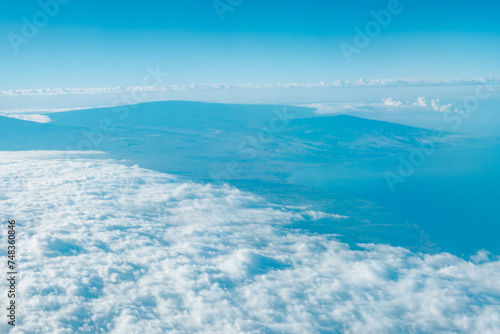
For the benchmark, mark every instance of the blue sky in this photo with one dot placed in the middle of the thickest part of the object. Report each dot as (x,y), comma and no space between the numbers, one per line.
(101,44)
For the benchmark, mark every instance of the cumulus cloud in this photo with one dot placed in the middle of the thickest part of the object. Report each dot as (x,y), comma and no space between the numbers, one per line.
(437,106)
(422,103)
(419,104)
(110,248)
(225,86)
(391,102)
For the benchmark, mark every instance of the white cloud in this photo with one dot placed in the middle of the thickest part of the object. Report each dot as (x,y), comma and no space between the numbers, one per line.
(315,215)
(481,256)
(10,112)
(109,248)
(32,117)
(391,102)
(224,86)
(437,106)
(420,102)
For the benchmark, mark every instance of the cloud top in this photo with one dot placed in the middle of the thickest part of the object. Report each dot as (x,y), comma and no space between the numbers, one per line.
(115,249)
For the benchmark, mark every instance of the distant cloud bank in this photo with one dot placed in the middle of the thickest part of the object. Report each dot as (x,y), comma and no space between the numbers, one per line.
(422,103)
(390,103)
(250,86)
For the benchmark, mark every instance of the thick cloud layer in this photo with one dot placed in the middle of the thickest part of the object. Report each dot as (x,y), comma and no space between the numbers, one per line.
(109,248)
